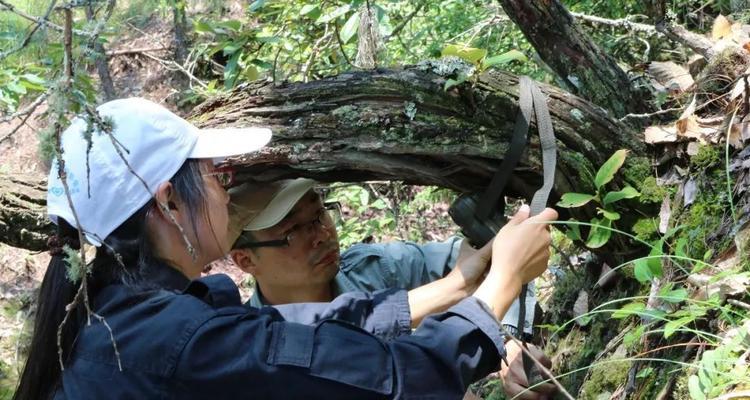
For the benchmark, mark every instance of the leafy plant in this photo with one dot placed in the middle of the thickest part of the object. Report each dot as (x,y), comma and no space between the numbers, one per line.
(600,231)
(478,58)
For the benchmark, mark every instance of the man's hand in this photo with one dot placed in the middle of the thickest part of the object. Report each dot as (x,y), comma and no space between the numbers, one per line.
(514,377)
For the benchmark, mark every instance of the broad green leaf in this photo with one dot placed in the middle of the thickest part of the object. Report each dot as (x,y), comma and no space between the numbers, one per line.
(203,27)
(570,200)
(508,56)
(626,193)
(232,48)
(608,214)
(333,14)
(261,64)
(608,170)
(310,9)
(231,24)
(470,54)
(35,79)
(655,260)
(694,387)
(230,70)
(599,233)
(257,5)
(574,231)
(250,73)
(644,373)
(449,83)
(633,336)
(674,296)
(15,87)
(31,86)
(350,28)
(641,271)
(635,308)
(672,326)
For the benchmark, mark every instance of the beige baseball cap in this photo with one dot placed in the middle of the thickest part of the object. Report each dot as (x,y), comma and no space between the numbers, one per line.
(256,206)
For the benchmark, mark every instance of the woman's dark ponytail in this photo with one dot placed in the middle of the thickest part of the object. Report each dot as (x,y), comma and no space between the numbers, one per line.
(55,293)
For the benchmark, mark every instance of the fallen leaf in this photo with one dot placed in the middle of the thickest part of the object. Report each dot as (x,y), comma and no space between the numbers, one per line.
(728,286)
(735,136)
(660,134)
(581,307)
(741,85)
(673,76)
(691,190)
(606,276)
(721,28)
(685,118)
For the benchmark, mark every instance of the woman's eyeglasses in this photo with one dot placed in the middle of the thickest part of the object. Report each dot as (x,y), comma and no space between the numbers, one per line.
(225,176)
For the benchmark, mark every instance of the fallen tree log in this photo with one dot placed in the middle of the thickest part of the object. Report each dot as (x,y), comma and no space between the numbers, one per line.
(384,125)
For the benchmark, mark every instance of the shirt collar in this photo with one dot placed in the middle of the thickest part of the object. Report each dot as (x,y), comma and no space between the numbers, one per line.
(166,277)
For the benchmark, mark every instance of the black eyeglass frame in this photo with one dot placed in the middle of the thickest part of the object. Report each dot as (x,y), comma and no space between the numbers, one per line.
(327,207)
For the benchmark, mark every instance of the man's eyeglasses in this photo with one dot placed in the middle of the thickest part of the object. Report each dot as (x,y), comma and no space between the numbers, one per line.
(327,217)
(225,176)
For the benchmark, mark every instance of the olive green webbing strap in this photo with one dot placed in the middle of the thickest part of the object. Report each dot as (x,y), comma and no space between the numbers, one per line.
(539,201)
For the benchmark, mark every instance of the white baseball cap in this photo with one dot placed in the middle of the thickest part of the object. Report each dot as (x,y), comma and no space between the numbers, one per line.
(154,141)
(256,206)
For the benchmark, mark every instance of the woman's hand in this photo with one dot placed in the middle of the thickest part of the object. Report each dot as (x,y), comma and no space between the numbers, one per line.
(521,248)
(520,252)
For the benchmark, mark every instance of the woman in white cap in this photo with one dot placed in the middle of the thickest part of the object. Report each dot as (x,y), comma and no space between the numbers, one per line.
(149,197)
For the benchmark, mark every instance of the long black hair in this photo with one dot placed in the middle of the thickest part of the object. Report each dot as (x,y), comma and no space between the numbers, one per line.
(124,257)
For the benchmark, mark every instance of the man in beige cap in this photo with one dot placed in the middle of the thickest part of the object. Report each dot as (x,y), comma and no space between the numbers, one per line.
(285,236)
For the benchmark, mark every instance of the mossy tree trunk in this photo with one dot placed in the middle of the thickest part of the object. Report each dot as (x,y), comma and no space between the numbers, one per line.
(583,67)
(23,219)
(402,125)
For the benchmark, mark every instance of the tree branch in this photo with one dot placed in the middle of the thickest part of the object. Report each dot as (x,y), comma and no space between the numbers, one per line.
(40,21)
(403,23)
(25,113)
(623,23)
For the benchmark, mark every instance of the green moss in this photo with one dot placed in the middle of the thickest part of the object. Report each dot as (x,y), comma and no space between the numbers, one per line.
(646,228)
(636,169)
(583,167)
(651,192)
(605,377)
(707,157)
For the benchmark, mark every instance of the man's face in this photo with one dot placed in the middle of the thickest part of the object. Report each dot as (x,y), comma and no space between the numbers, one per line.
(312,256)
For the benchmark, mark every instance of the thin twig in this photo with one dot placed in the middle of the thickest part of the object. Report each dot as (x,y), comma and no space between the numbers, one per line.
(81,295)
(403,23)
(113,53)
(341,45)
(739,304)
(538,364)
(24,115)
(649,115)
(176,66)
(40,21)
(314,53)
(25,42)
